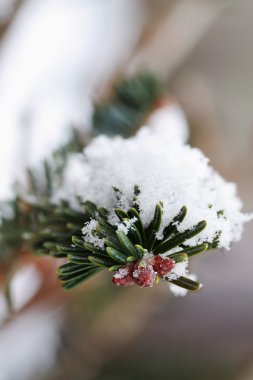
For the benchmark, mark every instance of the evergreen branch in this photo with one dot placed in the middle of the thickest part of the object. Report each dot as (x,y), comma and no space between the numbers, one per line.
(130,104)
(121,249)
(136,253)
(25,223)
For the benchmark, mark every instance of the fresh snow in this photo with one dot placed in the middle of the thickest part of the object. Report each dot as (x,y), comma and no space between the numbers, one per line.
(166,169)
(88,234)
(126,225)
(179,270)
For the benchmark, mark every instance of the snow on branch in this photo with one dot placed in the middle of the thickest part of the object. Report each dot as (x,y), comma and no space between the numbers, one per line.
(166,170)
(153,203)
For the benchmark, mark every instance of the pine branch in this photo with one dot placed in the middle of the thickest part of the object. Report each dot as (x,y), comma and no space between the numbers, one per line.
(135,253)
(21,217)
(136,95)
(58,233)
(132,100)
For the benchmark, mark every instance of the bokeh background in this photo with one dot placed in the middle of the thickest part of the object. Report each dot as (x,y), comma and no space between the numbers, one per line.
(56,57)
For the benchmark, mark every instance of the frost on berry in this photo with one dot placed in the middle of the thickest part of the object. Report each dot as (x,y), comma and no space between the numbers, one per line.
(144,274)
(163,265)
(123,276)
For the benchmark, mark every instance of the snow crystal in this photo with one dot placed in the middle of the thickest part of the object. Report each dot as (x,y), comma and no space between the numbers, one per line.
(126,225)
(166,170)
(88,233)
(180,269)
(121,273)
(159,235)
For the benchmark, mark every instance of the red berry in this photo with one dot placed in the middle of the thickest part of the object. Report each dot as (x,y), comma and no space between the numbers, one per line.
(163,265)
(143,276)
(123,276)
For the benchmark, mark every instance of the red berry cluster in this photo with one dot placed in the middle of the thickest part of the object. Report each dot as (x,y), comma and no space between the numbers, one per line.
(143,272)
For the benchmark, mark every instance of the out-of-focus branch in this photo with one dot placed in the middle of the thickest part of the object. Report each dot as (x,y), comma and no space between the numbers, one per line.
(6,18)
(175,35)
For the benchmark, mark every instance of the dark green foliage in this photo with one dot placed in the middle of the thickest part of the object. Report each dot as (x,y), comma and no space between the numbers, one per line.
(121,248)
(186,283)
(179,238)
(130,104)
(153,228)
(56,230)
(27,224)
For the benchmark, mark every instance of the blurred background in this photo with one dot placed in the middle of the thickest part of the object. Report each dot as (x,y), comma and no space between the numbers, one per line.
(56,58)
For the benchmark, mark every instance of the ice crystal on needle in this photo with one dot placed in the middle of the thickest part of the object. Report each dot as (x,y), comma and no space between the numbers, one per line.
(88,233)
